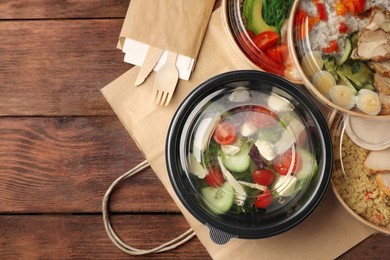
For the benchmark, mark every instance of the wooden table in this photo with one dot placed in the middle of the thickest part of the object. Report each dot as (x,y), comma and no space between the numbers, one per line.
(62,145)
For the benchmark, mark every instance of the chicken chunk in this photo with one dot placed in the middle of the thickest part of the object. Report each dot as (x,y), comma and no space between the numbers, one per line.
(373,45)
(374,40)
(382,84)
(383,68)
(378,161)
(379,20)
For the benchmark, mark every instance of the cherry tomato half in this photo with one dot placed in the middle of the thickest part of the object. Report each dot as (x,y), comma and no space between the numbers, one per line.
(214,177)
(278,53)
(261,117)
(265,40)
(263,177)
(257,56)
(263,200)
(282,163)
(260,120)
(263,110)
(267,64)
(225,133)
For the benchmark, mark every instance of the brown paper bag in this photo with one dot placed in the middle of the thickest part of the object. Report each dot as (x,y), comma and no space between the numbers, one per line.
(326,234)
(174,25)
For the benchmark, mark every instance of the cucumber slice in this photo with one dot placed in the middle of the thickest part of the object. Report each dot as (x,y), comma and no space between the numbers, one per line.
(347,82)
(347,52)
(309,165)
(238,162)
(218,200)
(354,39)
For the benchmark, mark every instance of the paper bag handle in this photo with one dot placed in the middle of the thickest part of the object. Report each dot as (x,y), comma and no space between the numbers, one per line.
(183,238)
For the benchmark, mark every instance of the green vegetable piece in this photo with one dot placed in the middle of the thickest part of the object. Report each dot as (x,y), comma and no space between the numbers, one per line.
(347,82)
(330,65)
(355,68)
(368,86)
(354,39)
(309,165)
(275,12)
(218,200)
(256,22)
(240,161)
(361,74)
(247,8)
(347,52)
(355,73)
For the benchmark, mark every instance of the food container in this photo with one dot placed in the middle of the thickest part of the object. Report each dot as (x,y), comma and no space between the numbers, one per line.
(359,145)
(263,47)
(249,155)
(338,52)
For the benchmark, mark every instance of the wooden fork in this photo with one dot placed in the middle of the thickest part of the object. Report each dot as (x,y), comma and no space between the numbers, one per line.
(165,81)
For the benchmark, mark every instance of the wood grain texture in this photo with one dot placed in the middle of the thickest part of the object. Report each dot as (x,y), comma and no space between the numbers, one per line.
(376,246)
(57,67)
(49,9)
(84,237)
(66,164)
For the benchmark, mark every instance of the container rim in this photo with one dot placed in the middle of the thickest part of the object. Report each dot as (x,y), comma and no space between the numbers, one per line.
(308,83)
(173,164)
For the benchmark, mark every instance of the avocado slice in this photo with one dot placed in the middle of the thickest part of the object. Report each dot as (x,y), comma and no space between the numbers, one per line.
(247,8)
(256,22)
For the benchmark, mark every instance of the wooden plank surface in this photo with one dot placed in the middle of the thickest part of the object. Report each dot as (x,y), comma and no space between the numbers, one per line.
(57,67)
(49,9)
(84,237)
(66,164)
(61,145)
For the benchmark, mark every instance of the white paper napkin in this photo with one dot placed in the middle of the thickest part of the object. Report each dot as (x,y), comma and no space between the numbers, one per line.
(135,53)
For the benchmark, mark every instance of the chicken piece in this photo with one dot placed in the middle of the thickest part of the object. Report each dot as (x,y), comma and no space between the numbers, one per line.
(373,45)
(385,110)
(378,161)
(383,68)
(383,181)
(379,20)
(382,84)
(385,100)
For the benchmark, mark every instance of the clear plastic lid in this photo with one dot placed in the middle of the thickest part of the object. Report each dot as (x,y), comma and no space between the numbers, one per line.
(250,153)
(341,50)
(361,175)
(260,34)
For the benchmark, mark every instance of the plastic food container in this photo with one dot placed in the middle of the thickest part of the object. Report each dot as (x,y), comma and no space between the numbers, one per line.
(263,47)
(249,155)
(338,54)
(361,144)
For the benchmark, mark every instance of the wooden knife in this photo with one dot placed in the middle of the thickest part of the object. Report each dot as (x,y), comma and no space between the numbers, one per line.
(151,59)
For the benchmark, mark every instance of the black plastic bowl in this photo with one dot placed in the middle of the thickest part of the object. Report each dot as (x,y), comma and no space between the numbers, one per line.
(180,142)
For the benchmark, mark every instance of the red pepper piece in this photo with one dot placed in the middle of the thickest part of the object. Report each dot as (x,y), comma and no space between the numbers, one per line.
(333,47)
(343,27)
(322,12)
